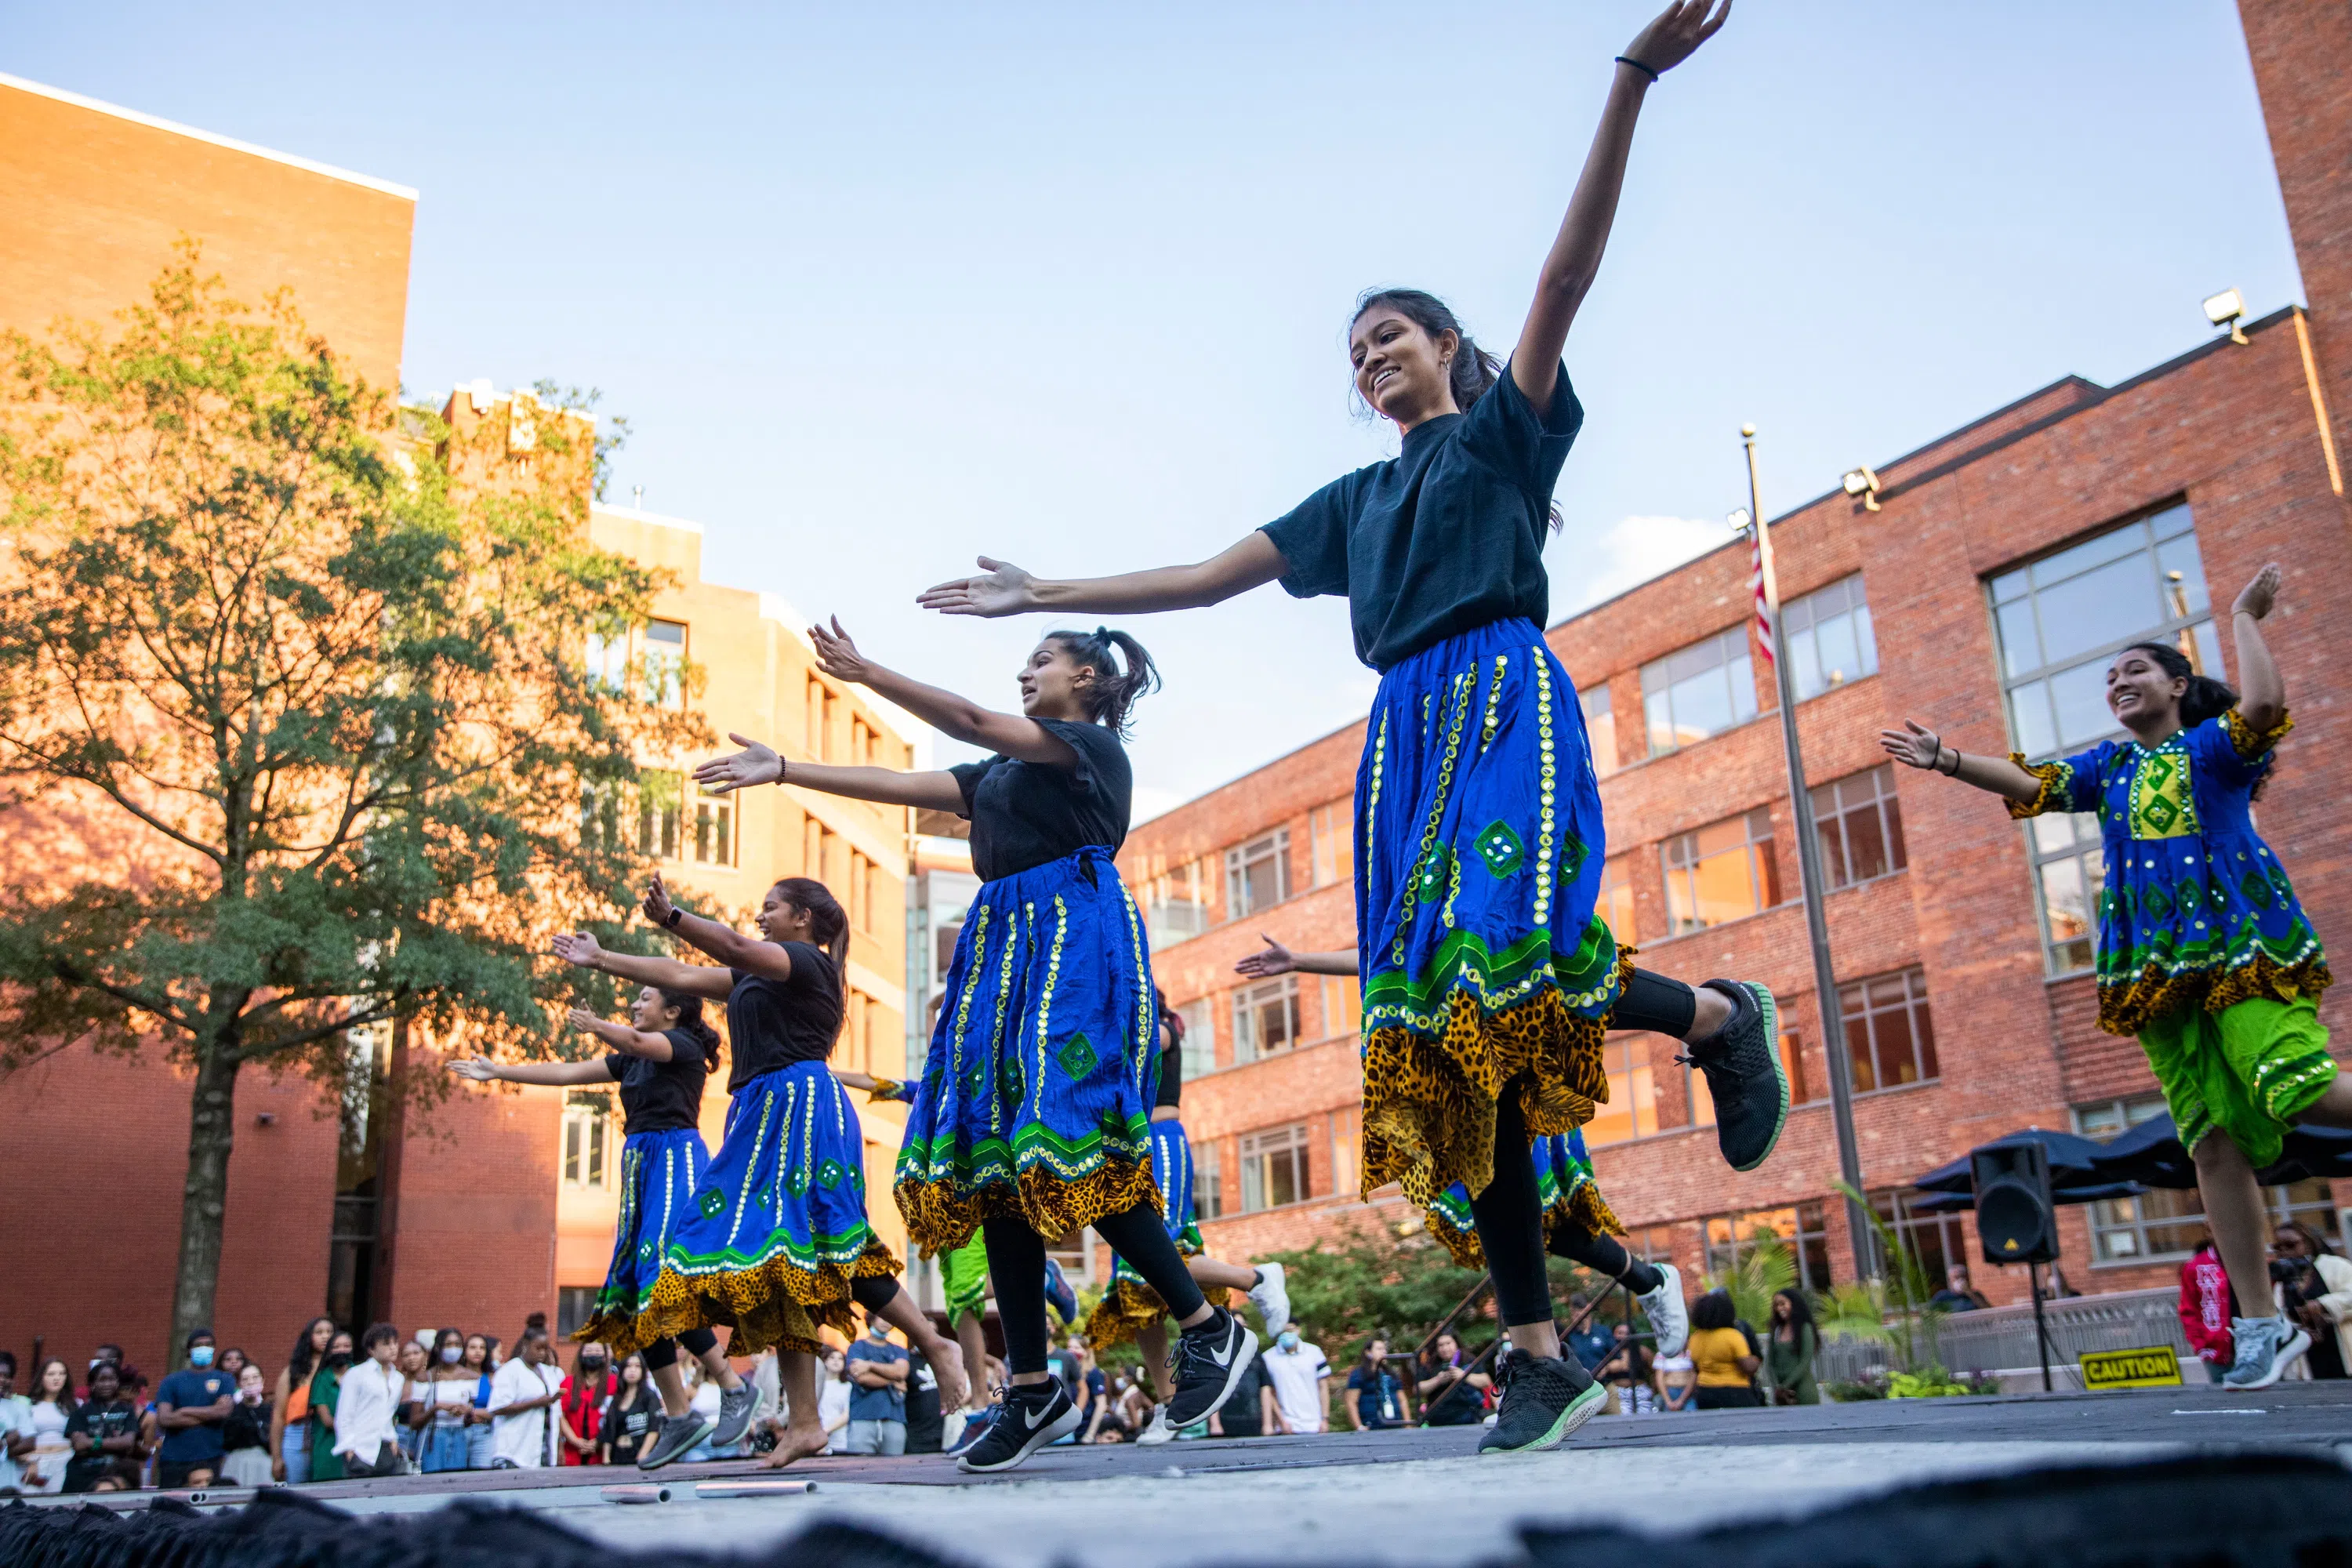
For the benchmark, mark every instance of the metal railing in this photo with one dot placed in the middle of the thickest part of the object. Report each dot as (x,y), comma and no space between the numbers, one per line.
(2001,1339)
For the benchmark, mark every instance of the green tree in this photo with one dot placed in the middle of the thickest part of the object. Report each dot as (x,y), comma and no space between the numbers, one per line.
(301,721)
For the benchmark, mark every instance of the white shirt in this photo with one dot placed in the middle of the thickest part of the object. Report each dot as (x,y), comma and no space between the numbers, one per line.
(1295,1375)
(527,1439)
(16,1420)
(833,1405)
(365,1407)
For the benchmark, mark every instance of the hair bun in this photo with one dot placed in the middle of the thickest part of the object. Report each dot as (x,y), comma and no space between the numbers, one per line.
(536,1321)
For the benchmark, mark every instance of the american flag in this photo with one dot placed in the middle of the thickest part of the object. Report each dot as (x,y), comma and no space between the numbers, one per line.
(1762,624)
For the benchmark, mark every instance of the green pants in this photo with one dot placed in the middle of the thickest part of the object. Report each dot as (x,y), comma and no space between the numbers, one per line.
(963,1276)
(2249,1070)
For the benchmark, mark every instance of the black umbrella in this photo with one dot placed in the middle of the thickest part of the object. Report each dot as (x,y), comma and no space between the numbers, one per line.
(2151,1155)
(2071,1162)
(2064,1192)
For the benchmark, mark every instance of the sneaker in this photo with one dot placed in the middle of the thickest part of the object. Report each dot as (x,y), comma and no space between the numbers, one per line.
(1744,1074)
(1028,1417)
(673,1440)
(1058,1292)
(1544,1399)
(1271,1296)
(975,1427)
(1669,1315)
(734,1415)
(2266,1348)
(1156,1431)
(1210,1359)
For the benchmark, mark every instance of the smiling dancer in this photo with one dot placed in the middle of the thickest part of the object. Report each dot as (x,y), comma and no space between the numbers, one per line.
(1577,1222)
(2203,951)
(1487,979)
(660,1064)
(1033,1115)
(777,1244)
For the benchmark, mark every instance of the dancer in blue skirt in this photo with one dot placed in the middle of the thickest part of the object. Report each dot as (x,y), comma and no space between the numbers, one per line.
(1032,1117)
(660,1059)
(1487,978)
(775,1245)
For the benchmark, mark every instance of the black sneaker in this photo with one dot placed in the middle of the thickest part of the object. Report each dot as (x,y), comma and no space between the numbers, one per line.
(1743,1075)
(673,1439)
(1210,1359)
(1544,1399)
(734,1415)
(1027,1417)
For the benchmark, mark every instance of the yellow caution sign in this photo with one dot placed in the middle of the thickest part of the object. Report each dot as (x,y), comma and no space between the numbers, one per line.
(2155,1367)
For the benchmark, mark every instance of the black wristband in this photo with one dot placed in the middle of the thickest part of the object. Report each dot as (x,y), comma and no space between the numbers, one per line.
(676,915)
(1630,60)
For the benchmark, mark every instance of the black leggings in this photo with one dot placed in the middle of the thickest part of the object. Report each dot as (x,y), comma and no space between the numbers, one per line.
(1651,1001)
(1016,1269)
(664,1353)
(1606,1254)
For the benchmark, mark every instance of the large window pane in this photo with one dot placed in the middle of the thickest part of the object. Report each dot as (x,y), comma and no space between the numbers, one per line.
(1599,726)
(1890,1039)
(1258,874)
(1699,691)
(1616,900)
(1266,1018)
(1861,825)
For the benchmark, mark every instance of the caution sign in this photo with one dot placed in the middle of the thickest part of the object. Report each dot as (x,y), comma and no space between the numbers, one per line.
(2155,1367)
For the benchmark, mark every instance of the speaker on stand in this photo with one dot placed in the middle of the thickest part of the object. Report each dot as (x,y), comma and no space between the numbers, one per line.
(2017,1219)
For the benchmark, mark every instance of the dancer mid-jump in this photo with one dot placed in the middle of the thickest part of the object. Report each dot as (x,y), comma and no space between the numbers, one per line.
(2203,951)
(1487,979)
(1033,1115)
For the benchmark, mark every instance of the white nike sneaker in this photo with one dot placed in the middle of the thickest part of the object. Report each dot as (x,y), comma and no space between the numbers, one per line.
(1271,1296)
(1669,1315)
(1158,1431)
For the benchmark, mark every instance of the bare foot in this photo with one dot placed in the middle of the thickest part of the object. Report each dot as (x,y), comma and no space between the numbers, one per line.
(796,1443)
(946,1357)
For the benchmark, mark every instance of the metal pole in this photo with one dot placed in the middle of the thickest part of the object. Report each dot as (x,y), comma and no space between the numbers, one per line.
(2041,1333)
(1810,884)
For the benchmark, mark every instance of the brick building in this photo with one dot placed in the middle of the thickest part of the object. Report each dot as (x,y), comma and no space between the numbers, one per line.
(2008,561)
(499,1201)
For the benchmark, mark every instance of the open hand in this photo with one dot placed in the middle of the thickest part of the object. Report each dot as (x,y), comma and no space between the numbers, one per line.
(1911,745)
(481,1069)
(656,905)
(2256,597)
(1677,33)
(1003,590)
(838,657)
(578,947)
(1271,959)
(754,765)
(581,1018)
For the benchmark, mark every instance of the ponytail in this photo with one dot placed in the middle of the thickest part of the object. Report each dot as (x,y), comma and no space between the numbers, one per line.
(1473,372)
(1123,672)
(828,921)
(690,1023)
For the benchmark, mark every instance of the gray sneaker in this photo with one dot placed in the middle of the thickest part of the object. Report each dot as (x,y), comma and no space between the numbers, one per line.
(734,1415)
(673,1440)
(2266,1348)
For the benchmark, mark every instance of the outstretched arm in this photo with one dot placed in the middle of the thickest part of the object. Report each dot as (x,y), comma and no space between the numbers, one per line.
(2263,697)
(1575,257)
(1004,589)
(759,764)
(1274,959)
(695,978)
(1916,746)
(481,1069)
(731,947)
(621,1036)
(955,716)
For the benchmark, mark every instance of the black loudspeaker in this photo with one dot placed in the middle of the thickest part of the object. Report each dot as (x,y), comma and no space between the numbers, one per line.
(2017,1220)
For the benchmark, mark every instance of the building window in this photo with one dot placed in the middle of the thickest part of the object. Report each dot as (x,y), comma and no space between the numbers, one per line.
(660,808)
(1266,1018)
(1699,692)
(575,1305)
(1936,1240)
(1830,642)
(1724,871)
(714,828)
(1331,831)
(813,719)
(2058,621)
(1077,1260)
(2163,1224)
(1632,1109)
(587,1129)
(1599,726)
(831,723)
(1861,826)
(666,663)
(1258,874)
(1616,900)
(1176,905)
(1208,1184)
(1802,1229)
(1651,1243)
(602,811)
(1274,1167)
(1343,1012)
(1200,1038)
(1888,1034)
(606,659)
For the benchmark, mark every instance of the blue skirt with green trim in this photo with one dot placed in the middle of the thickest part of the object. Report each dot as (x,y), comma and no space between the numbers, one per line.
(778,1228)
(1564,1186)
(1036,1096)
(660,1174)
(1478,854)
(1128,1304)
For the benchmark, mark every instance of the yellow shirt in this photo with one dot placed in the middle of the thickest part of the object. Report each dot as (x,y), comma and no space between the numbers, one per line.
(1718,1351)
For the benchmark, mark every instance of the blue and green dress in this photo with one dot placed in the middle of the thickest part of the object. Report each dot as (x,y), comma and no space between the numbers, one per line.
(2204,951)
(1571,1200)
(1129,1305)
(663,1160)
(1479,842)
(1035,1099)
(778,1229)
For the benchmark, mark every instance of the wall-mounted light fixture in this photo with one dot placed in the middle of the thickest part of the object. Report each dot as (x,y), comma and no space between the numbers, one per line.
(1863,485)
(2225,309)
(1739,519)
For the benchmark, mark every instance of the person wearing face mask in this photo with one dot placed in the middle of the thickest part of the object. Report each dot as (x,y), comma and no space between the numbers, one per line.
(245,1434)
(191,1406)
(878,1398)
(447,1395)
(326,1388)
(584,1399)
(1300,1378)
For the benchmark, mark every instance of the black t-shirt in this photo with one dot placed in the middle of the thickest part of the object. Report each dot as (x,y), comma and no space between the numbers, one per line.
(1027,814)
(1458,1406)
(926,1426)
(1171,1078)
(1240,1415)
(102,1422)
(1446,536)
(627,1430)
(772,1023)
(663,1096)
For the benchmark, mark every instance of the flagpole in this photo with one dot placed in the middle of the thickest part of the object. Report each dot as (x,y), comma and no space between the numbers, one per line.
(1811,882)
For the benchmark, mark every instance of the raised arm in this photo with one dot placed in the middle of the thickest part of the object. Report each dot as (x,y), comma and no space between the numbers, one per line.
(628,1041)
(1276,959)
(695,979)
(1004,589)
(1575,255)
(1917,746)
(957,717)
(2262,695)
(721,940)
(759,764)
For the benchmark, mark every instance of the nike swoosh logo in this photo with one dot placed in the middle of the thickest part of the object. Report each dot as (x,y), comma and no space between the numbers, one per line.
(1232,1347)
(1032,1419)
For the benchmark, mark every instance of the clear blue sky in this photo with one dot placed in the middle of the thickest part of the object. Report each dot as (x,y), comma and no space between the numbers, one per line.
(880,287)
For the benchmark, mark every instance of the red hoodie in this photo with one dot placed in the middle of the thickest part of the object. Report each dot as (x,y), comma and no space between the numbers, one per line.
(2205,1307)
